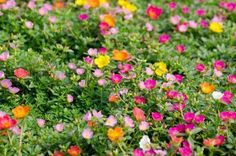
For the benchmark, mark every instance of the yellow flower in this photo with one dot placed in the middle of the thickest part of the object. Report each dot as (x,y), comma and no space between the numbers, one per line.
(207,88)
(115,134)
(102,61)
(160,68)
(110,20)
(81,2)
(20,112)
(125,4)
(216,27)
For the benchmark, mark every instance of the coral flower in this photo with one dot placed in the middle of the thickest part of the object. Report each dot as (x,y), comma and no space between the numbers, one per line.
(120,55)
(6,122)
(21,73)
(113,98)
(207,88)
(74,151)
(58,5)
(21,111)
(109,19)
(115,134)
(216,27)
(154,12)
(102,61)
(139,114)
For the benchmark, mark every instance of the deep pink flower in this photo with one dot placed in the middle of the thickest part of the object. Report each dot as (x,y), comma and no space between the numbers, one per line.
(154,12)
(219,65)
(185,9)
(180,48)
(157,116)
(227,97)
(199,119)
(179,78)
(116,78)
(164,38)
(150,84)
(232,79)
(172,94)
(200,67)
(204,23)
(102,50)
(231,6)
(172,6)
(139,100)
(200,12)
(189,117)
(138,152)
(83,17)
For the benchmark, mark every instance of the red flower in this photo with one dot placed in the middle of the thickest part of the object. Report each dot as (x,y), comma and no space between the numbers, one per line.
(6,122)
(74,151)
(21,73)
(58,153)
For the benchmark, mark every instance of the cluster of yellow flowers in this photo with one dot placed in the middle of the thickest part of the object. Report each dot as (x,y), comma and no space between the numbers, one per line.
(160,68)
(125,4)
(91,3)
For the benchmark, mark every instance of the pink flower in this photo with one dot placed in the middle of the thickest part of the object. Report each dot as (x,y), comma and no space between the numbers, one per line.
(111,121)
(180,48)
(69,98)
(200,67)
(200,12)
(92,52)
(97,73)
(125,68)
(87,116)
(31,4)
(4,56)
(175,19)
(2,75)
(102,50)
(59,127)
(143,126)
(185,9)
(150,84)
(172,94)
(82,83)
(87,133)
(172,6)
(114,31)
(52,19)
(199,119)
(16,130)
(232,79)
(138,152)
(192,24)
(185,151)
(116,78)
(41,123)
(164,38)
(149,27)
(189,117)
(60,75)
(102,82)
(154,12)
(231,6)
(218,73)
(88,60)
(83,17)
(128,16)
(128,122)
(149,71)
(182,27)
(6,83)
(141,85)
(97,114)
(43,11)
(80,71)
(157,116)
(13,90)
(71,66)
(219,65)
(178,78)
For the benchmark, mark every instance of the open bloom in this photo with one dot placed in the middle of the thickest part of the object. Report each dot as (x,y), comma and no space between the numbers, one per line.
(116,78)
(87,133)
(115,134)
(154,12)
(102,61)
(232,79)
(74,150)
(4,56)
(207,87)
(6,122)
(164,38)
(150,84)
(120,55)
(139,114)
(160,68)
(21,73)
(157,116)
(109,19)
(216,27)
(145,143)
(20,112)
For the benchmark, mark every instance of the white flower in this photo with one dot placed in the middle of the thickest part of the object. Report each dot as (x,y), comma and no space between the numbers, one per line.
(145,143)
(217,95)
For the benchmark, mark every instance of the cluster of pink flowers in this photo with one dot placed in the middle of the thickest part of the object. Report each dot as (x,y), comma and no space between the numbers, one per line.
(228,115)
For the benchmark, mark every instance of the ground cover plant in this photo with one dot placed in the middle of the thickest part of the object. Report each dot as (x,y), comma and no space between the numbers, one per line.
(117,77)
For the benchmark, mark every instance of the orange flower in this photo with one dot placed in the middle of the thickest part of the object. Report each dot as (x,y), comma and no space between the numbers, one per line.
(74,151)
(176,140)
(21,111)
(93,3)
(58,5)
(110,20)
(209,142)
(91,123)
(115,134)
(114,98)
(2,1)
(120,55)
(207,88)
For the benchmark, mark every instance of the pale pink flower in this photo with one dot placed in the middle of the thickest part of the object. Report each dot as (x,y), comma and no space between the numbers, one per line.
(2,75)
(149,27)
(16,130)
(87,133)
(82,83)
(31,4)
(128,122)
(52,19)
(41,122)
(111,121)
(175,19)
(13,90)
(6,83)
(4,56)
(92,52)
(102,82)
(69,98)
(59,127)
(29,24)
(80,71)
(143,126)
(149,71)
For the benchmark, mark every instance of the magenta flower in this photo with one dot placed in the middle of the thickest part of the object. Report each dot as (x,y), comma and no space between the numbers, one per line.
(164,38)
(180,48)
(185,9)
(204,23)
(179,78)
(157,116)
(138,152)
(199,119)
(172,6)
(219,65)
(102,50)
(6,83)
(150,84)
(227,97)
(88,60)
(111,121)
(189,117)
(200,12)
(87,133)
(116,78)
(139,100)
(172,94)
(41,123)
(83,17)
(200,67)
